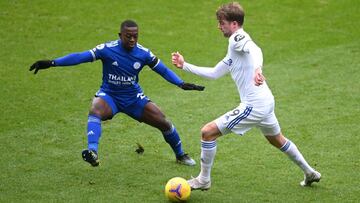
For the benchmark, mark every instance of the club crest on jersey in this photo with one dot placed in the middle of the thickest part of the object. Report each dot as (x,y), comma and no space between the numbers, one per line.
(239,37)
(137,65)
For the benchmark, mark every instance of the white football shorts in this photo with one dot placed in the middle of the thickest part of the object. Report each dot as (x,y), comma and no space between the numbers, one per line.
(243,118)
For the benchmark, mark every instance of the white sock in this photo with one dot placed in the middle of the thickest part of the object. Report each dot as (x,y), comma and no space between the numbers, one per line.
(208,151)
(294,154)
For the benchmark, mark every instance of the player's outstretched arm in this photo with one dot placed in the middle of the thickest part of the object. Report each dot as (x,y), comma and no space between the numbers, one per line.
(211,73)
(68,60)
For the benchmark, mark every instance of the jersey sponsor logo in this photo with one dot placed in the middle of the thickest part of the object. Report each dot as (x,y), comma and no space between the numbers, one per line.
(100,46)
(115,63)
(137,65)
(121,80)
(239,37)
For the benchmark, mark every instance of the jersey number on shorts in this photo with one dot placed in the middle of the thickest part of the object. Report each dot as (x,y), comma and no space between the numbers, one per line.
(141,95)
(235,112)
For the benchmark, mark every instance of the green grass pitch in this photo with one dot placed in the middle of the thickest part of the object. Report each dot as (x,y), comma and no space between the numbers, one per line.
(311,60)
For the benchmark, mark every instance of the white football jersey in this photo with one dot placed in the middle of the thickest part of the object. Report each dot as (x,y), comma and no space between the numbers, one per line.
(242,58)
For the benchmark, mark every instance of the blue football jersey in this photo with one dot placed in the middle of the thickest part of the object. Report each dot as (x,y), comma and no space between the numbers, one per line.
(121,68)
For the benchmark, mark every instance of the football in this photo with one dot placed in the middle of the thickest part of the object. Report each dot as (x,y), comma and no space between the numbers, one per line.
(177,189)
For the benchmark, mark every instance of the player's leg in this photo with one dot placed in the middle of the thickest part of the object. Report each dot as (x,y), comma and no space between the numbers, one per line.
(209,134)
(100,110)
(290,149)
(153,116)
(271,129)
(238,121)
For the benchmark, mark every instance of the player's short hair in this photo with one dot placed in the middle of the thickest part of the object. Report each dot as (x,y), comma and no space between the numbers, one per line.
(231,12)
(128,23)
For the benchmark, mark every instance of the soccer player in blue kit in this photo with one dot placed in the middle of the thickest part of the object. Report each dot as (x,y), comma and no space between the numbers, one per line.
(122,61)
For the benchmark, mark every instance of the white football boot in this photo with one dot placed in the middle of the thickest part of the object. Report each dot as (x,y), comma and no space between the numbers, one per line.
(310,178)
(196,184)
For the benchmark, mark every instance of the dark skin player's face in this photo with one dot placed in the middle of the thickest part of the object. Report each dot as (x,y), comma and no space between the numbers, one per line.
(129,37)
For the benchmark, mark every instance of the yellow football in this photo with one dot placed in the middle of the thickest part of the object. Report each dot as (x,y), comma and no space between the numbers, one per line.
(177,189)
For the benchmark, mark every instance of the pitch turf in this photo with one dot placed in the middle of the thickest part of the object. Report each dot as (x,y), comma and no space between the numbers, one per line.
(311,51)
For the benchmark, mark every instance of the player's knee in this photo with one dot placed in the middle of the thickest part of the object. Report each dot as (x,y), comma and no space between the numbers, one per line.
(94,113)
(161,123)
(206,134)
(100,109)
(210,132)
(99,114)
(165,125)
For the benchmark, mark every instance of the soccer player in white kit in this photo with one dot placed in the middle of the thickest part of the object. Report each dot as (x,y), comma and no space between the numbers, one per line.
(244,62)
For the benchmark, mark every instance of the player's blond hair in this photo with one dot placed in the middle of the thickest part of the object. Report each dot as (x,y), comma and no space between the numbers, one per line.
(231,12)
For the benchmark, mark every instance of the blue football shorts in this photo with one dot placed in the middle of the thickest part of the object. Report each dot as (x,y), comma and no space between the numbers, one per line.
(133,107)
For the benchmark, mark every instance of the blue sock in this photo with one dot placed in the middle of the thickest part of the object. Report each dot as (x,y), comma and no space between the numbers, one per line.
(93,132)
(173,139)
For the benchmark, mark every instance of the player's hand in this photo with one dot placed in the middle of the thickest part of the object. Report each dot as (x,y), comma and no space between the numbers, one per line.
(42,64)
(190,86)
(177,59)
(259,78)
